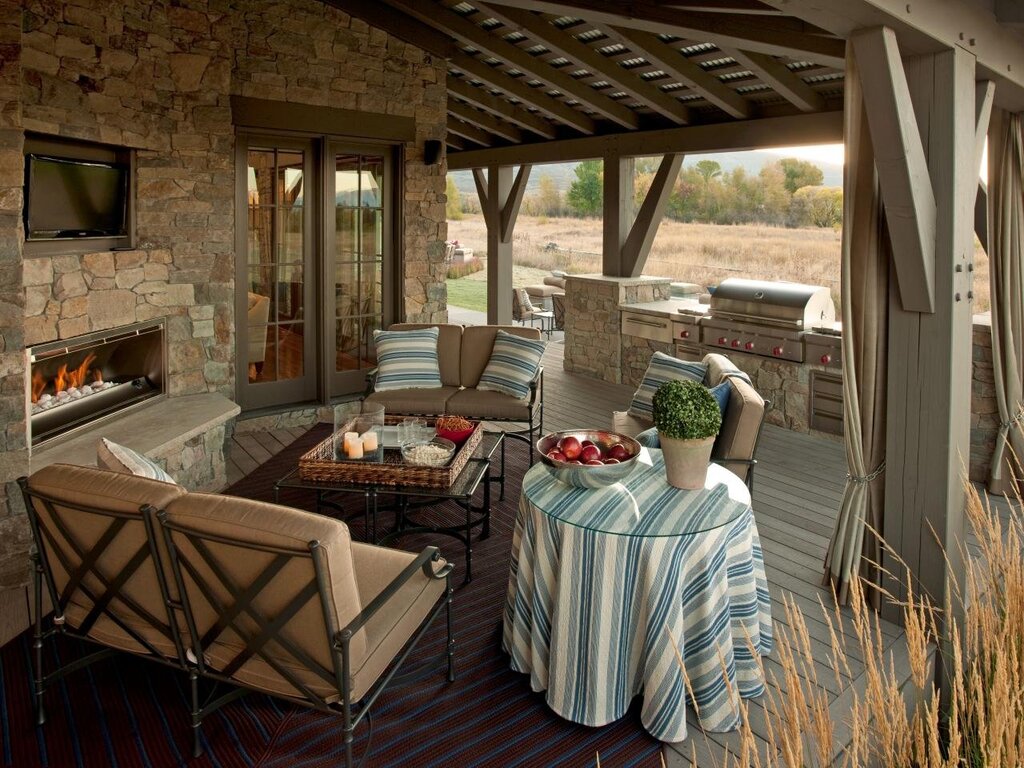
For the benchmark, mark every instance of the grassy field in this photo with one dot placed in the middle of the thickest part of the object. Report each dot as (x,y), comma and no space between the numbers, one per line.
(696,253)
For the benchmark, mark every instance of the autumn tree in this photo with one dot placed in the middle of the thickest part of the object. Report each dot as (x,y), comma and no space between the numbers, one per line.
(453,202)
(586,194)
(800,173)
(816,207)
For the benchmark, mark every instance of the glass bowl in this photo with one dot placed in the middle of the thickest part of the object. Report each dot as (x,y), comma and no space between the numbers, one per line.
(584,475)
(435,452)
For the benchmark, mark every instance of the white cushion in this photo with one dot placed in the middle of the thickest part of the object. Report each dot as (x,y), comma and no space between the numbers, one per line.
(120,458)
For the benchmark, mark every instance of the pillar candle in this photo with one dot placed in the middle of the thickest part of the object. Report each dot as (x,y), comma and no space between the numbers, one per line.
(354,449)
(369,441)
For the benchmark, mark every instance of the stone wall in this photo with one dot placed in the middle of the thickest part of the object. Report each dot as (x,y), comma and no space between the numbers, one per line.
(984,410)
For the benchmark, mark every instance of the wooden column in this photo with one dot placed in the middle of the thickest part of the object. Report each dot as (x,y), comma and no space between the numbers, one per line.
(617,215)
(501,195)
(929,391)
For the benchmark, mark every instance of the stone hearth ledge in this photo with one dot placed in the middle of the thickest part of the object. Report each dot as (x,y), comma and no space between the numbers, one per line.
(185,435)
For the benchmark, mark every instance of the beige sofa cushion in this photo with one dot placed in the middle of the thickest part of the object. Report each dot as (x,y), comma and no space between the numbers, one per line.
(117,492)
(449,345)
(253,522)
(477,344)
(485,404)
(626,423)
(427,402)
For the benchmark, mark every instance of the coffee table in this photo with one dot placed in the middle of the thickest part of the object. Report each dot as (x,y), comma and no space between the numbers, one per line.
(408,501)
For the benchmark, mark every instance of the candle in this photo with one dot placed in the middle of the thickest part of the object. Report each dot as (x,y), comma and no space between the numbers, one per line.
(369,441)
(354,449)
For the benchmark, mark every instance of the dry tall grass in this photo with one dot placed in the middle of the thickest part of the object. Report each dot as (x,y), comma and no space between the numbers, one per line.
(695,253)
(983,723)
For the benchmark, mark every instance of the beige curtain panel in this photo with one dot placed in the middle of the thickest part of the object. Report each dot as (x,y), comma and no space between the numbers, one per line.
(865,312)
(1005,233)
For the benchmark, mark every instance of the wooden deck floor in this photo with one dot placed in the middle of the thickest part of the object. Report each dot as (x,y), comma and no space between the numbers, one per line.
(799,485)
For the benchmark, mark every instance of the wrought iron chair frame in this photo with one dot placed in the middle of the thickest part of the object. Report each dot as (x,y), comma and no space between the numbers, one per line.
(269,629)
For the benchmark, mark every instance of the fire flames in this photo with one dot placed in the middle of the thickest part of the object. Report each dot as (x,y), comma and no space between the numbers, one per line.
(65,379)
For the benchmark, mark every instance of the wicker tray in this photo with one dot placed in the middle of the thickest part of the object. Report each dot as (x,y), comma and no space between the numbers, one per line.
(319,465)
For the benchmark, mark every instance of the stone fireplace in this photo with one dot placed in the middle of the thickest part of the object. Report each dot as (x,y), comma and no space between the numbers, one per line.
(95,376)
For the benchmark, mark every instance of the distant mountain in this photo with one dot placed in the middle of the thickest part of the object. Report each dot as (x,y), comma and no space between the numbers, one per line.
(563,174)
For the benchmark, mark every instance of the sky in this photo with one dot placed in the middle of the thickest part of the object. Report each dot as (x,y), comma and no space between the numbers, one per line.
(819,153)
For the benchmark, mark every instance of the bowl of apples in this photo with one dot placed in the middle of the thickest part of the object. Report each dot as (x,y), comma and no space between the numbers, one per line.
(588,458)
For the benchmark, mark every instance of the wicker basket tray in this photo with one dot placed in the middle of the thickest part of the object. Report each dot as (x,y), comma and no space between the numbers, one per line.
(319,465)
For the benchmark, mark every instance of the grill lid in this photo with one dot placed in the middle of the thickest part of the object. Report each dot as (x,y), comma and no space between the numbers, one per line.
(779,304)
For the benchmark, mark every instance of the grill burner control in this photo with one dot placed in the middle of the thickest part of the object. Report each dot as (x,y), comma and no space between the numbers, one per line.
(748,346)
(736,343)
(826,359)
(685,334)
(723,340)
(777,351)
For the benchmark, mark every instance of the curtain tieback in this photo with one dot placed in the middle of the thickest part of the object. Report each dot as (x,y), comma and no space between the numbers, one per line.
(1013,421)
(996,471)
(866,478)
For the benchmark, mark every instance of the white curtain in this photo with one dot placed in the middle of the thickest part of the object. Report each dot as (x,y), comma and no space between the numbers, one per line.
(1005,245)
(865,312)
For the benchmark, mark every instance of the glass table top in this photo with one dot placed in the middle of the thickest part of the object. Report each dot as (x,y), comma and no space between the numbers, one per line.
(643,504)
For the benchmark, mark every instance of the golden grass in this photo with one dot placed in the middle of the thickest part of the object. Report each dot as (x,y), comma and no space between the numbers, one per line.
(695,253)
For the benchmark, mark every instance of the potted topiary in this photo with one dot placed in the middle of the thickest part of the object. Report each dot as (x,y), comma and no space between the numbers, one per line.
(688,419)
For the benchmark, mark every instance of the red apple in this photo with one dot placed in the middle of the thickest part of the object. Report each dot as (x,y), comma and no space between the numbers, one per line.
(594,463)
(590,453)
(585,443)
(570,446)
(619,452)
(556,455)
(610,461)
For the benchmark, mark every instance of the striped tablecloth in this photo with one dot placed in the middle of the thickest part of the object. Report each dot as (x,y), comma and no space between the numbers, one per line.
(589,612)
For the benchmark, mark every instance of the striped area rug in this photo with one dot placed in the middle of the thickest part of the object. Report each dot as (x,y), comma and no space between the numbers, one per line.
(124,712)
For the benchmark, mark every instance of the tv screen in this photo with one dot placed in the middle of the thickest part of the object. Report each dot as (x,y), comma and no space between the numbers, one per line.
(74,198)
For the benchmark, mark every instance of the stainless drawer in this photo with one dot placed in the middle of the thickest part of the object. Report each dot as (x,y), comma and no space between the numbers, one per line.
(647,327)
(829,355)
(826,402)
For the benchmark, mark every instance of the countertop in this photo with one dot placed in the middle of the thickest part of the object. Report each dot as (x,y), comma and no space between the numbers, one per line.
(667,307)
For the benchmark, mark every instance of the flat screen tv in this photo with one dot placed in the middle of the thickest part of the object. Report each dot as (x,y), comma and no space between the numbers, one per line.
(68,198)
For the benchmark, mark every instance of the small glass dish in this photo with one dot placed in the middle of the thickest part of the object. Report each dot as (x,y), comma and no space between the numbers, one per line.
(436,452)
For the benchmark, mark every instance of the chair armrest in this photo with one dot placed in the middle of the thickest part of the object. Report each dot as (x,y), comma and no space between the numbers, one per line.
(423,562)
(371,381)
(537,386)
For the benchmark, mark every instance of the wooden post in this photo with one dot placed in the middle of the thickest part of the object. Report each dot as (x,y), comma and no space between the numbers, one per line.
(929,389)
(617,211)
(501,195)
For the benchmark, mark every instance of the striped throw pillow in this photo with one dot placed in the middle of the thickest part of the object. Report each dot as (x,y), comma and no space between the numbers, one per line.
(121,458)
(407,359)
(662,368)
(513,365)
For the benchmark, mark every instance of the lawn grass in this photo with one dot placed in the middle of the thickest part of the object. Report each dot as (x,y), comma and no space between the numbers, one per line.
(468,294)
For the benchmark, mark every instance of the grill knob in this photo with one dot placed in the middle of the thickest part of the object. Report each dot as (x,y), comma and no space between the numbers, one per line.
(723,340)
(826,359)
(736,343)
(749,346)
(777,351)
(685,334)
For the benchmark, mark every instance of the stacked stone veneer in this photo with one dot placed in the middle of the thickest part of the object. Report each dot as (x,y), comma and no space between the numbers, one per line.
(984,409)
(158,78)
(593,335)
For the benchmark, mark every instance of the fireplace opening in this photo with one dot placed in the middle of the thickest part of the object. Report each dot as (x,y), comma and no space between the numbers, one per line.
(79,381)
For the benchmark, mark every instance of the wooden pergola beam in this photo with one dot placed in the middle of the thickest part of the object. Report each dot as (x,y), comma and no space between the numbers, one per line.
(455,142)
(501,196)
(535,97)
(901,164)
(469,33)
(563,43)
(757,133)
(771,35)
(485,121)
(641,235)
(678,67)
(471,132)
(510,210)
(482,98)
(780,79)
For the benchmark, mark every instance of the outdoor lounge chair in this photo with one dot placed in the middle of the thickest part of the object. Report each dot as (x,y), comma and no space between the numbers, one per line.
(524,312)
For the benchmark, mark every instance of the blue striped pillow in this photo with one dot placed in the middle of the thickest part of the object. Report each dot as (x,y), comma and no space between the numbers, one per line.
(407,359)
(662,368)
(513,365)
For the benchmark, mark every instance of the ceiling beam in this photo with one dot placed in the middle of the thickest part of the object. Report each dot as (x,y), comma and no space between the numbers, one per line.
(399,25)
(470,131)
(484,99)
(455,142)
(563,43)
(725,6)
(469,33)
(484,121)
(775,36)
(780,79)
(535,97)
(638,243)
(678,67)
(757,133)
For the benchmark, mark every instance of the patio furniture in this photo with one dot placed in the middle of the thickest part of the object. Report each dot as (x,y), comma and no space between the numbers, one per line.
(463,354)
(736,445)
(523,311)
(543,294)
(558,310)
(257,317)
(410,497)
(605,583)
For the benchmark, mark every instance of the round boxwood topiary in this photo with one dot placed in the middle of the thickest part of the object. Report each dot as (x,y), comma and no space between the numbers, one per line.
(686,410)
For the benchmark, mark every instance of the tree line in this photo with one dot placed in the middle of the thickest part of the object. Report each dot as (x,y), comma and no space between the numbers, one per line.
(788,192)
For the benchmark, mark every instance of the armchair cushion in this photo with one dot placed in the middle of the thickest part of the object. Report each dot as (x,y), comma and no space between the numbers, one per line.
(484,404)
(662,368)
(425,402)
(407,359)
(513,365)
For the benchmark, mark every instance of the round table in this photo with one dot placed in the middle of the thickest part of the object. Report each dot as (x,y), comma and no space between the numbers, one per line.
(606,583)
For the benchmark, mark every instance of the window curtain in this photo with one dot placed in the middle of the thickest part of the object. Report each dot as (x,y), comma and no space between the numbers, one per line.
(865,312)
(1005,236)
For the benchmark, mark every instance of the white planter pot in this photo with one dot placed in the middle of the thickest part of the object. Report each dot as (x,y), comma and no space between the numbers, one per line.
(686,461)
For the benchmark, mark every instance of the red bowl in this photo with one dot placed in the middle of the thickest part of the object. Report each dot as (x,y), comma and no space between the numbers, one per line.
(456,436)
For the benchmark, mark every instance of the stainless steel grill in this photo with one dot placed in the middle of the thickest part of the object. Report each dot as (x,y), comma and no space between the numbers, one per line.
(766,318)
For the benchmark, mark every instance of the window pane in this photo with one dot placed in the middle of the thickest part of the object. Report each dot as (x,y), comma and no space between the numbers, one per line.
(260,247)
(260,176)
(289,178)
(372,182)
(290,234)
(372,240)
(346,232)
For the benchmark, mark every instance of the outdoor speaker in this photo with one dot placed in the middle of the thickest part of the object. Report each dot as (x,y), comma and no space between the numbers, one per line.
(432,152)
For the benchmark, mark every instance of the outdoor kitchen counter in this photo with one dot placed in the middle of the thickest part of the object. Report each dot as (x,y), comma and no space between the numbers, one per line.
(665,308)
